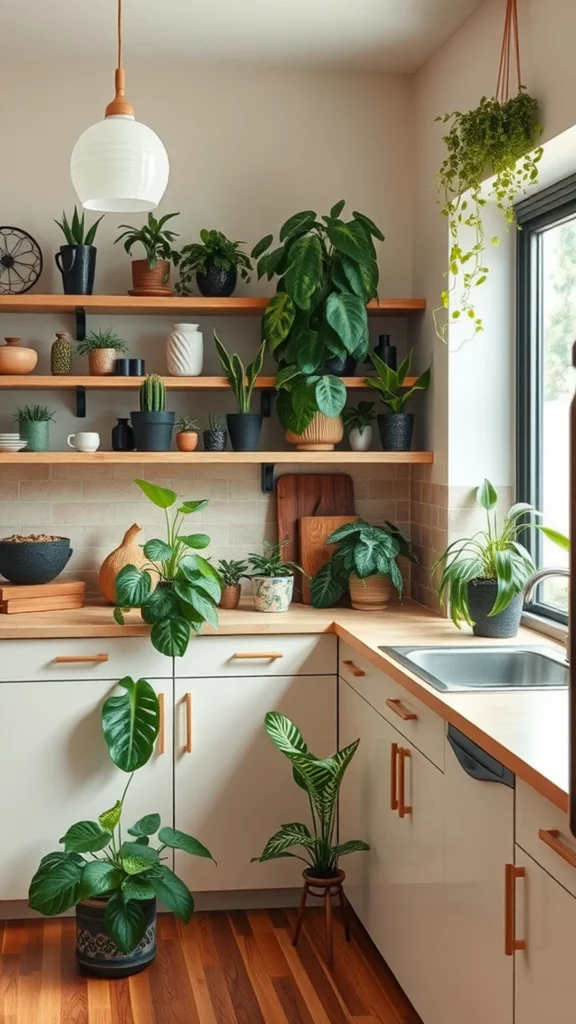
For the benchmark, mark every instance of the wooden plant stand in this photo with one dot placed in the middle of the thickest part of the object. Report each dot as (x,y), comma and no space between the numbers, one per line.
(326,889)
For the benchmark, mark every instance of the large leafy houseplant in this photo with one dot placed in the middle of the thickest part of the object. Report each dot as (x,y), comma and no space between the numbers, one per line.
(363,551)
(188,589)
(320,778)
(97,862)
(327,272)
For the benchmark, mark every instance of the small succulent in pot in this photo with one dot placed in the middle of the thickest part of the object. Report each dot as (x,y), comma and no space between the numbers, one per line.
(396,427)
(216,435)
(76,260)
(244,426)
(187,433)
(231,573)
(150,276)
(34,426)
(102,348)
(152,425)
(272,579)
(216,262)
(358,423)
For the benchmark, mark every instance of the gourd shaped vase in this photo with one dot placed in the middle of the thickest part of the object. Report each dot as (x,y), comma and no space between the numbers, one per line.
(185,351)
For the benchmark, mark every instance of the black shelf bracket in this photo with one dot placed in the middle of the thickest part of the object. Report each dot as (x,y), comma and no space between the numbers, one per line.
(80,323)
(267,476)
(81,403)
(266,399)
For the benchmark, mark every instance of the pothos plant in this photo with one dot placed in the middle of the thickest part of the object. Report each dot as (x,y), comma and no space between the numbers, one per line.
(497,140)
(327,272)
(122,872)
(178,590)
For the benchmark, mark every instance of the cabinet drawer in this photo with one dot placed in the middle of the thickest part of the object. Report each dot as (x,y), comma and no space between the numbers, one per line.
(555,850)
(109,658)
(421,726)
(266,655)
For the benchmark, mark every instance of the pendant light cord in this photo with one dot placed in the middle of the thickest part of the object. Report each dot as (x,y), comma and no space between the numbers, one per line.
(119,34)
(119,105)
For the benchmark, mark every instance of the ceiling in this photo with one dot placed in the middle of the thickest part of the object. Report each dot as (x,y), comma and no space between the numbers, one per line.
(371,35)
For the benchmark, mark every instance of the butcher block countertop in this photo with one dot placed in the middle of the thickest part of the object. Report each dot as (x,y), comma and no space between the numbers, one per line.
(527,731)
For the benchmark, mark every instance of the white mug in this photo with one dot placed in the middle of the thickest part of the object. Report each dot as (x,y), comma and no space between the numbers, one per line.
(85,441)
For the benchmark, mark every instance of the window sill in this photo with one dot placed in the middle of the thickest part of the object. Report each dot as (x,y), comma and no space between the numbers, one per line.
(546,626)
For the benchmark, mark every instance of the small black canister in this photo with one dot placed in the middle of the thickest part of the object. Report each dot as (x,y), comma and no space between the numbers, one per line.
(122,437)
(386,351)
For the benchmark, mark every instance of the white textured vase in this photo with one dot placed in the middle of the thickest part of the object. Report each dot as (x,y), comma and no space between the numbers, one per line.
(185,351)
(360,442)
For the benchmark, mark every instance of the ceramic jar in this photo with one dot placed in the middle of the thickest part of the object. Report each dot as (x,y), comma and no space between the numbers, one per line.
(14,358)
(360,442)
(184,351)
(272,593)
(102,362)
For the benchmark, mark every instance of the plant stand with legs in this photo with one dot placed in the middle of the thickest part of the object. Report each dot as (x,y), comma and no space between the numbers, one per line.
(328,887)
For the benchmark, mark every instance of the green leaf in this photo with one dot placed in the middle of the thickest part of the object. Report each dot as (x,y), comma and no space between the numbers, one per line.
(162,604)
(161,496)
(178,840)
(347,315)
(487,496)
(136,858)
(309,350)
(342,532)
(145,826)
(171,636)
(187,507)
(196,540)
(132,586)
(157,550)
(202,604)
(109,819)
(337,209)
(118,615)
(362,277)
(330,395)
(304,273)
(285,375)
(364,558)
(130,724)
(326,589)
(261,246)
(124,923)
(173,893)
(209,587)
(351,240)
(100,877)
(558,538)
(506,587)
(352,846)
(200,564)
(369,224)
(278,319)
(295,834)
(297,224)
(56,885)
(284,734)
(134,888)
(85,837)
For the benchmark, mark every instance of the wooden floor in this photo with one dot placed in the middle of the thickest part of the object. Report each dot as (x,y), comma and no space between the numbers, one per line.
(223,968)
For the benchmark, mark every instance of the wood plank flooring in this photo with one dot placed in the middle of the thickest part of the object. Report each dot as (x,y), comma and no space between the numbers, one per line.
(223,968)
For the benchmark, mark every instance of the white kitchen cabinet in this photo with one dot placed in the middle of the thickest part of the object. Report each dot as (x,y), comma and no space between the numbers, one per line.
(55,770)
(546,922)
(233,788)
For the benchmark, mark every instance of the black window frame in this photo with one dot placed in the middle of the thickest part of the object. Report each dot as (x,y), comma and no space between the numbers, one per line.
(548,207)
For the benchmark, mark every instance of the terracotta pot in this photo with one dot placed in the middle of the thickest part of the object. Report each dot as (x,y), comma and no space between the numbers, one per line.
(230,596)
(187,440)
(14,358)
(102,361)
(322,435)
(151,282)
(372,594)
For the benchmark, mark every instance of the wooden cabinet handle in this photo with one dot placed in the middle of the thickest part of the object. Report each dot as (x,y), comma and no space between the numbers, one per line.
(403,808)
(188,706)
(354,668)
(393,776)
(398,708)
(269,655)
(511,943)
(69,659)
(552,838)
(160,745)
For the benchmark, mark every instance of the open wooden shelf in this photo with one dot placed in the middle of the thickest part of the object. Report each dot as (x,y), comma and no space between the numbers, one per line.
(224,458)
(37,382)
(175,305)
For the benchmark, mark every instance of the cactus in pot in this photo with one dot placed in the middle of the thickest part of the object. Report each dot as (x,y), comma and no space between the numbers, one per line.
(152,424)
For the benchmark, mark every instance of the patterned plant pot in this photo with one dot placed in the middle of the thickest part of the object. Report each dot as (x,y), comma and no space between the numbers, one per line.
(323,433)
(185,351)
(272,593)
(96,952)
(36,432)
(102,362)
(396,431)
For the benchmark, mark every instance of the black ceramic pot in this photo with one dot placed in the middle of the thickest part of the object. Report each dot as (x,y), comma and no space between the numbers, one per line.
(244,429)
(340,367)
(217,283)
(77,264)
(98,955)
(481,598)
(34,563)
(122,367)
(215,440)
(396,431)
(122,437)
(152,430)
(386,351)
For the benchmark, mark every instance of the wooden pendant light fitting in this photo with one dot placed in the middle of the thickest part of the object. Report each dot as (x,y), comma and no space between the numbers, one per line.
(119,105)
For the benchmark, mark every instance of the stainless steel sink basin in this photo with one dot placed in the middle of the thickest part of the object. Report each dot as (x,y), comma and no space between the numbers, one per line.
(484,668)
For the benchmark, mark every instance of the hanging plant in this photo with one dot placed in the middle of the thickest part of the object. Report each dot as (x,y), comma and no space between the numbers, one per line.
(498,139)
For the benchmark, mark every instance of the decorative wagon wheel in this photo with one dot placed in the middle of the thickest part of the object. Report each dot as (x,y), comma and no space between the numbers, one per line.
(20,261)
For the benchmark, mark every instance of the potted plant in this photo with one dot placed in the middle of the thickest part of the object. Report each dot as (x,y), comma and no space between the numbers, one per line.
(216,263)
(483,576)
(365,563)
(396,427)
(244,426)
(113,882)
(76,260)
(187,433)
(102,349)
(215,436)
(272,579)
(231,573)
(358,423)
(34,426)
(152,425)
(33,558)
(150,276)
(187,588)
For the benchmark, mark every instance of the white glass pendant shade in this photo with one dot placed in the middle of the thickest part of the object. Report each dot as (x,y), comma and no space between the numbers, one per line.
(119,165)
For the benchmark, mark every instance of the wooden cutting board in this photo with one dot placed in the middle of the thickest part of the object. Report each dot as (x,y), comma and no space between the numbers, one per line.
(314,552)
(309,494)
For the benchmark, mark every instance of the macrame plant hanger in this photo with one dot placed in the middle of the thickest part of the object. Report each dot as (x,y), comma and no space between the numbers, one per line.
(510,44)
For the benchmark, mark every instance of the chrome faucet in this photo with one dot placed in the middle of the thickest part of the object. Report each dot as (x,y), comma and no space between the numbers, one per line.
(538,577)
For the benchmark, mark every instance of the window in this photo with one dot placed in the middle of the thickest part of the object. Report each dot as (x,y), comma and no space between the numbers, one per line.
(546,325)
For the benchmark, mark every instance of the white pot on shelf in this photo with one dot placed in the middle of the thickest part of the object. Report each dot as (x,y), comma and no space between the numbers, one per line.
(185,351)
(360,442)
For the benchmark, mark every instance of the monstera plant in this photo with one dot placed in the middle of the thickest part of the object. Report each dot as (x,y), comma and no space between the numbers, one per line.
(327,272)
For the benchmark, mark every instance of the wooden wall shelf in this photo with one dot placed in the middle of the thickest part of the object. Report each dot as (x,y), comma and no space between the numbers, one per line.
(37,382)
(174,305)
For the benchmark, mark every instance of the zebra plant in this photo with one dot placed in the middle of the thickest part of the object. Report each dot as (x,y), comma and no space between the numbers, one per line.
(320,778)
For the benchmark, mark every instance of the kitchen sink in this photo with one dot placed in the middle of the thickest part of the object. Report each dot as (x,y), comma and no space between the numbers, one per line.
(484,668)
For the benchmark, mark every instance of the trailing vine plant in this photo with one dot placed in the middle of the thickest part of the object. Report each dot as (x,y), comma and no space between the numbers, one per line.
(498,139)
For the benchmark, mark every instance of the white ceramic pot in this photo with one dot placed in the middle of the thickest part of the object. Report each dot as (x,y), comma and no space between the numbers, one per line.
(272,593)
(185,351)
(360,442)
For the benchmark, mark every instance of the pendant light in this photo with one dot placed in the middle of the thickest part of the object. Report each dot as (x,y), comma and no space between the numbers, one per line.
(119,165)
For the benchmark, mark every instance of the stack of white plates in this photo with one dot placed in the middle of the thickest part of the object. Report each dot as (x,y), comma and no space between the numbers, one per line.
(12,443)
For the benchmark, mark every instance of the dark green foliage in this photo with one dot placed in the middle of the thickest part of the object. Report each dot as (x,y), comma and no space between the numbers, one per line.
(74,231)
(363,550)
(153,237)
(215,250)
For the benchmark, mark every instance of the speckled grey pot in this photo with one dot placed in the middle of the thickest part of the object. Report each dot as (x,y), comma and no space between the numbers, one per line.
(396,431)
(504,625)
(34,563)
(272,593)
